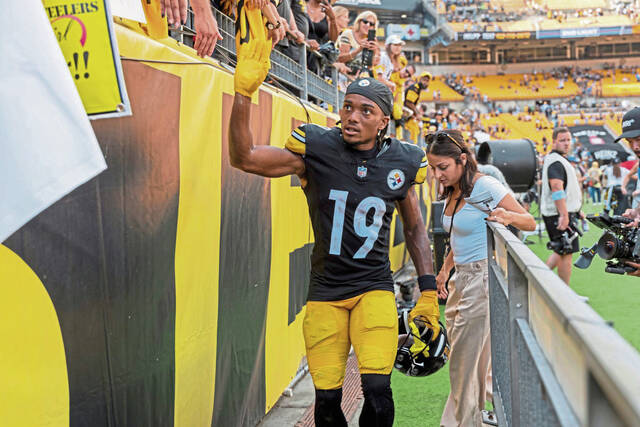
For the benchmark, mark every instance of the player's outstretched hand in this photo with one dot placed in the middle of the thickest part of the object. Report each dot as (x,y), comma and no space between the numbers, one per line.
(253,51)
(427,310)
(253,66)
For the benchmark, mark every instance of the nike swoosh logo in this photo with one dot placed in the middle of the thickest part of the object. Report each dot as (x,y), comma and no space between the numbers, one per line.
(246,37)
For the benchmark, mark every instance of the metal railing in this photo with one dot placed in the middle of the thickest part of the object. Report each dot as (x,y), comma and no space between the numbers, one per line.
(292,74)
(555,361)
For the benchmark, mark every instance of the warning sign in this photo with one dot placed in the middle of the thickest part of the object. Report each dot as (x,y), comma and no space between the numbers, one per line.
(84,30)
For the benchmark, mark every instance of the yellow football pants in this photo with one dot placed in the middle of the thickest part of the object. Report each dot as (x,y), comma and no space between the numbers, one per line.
(368,321)
(414,130)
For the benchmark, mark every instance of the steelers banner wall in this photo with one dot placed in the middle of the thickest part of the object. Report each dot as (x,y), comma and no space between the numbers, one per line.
(170,289)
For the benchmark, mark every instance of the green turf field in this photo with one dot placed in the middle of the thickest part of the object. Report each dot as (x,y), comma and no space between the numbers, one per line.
(420,401)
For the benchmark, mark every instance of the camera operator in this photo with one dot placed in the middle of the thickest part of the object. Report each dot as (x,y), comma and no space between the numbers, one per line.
(560,202)
(631,132)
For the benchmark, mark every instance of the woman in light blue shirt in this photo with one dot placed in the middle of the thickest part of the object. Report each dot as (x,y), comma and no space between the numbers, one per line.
(467,310)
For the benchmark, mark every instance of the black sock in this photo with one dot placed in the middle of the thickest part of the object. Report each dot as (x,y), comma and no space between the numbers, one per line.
(377,410)
(327,411)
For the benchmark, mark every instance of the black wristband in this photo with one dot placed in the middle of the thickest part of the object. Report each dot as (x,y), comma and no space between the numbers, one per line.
(427,282)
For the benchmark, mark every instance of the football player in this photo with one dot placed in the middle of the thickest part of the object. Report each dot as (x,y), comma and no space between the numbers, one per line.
(353,178)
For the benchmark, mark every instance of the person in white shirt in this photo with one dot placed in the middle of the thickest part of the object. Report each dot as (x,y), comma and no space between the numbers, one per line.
(560,201)
(615,197)
(467,310)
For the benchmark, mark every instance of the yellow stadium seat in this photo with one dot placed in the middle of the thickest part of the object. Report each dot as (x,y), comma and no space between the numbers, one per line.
(508,87)
(446,93)
(509,5)
(518,128)
(620,83)
(573,4)
(584,22)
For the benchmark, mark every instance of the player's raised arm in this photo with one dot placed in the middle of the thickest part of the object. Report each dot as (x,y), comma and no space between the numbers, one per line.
(261,160)
(253,50)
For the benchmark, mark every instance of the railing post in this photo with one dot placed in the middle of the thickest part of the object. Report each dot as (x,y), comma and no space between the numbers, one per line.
(518,309)
(305,70)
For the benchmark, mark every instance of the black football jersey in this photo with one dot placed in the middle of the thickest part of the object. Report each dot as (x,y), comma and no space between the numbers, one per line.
(412,94)
(351,202)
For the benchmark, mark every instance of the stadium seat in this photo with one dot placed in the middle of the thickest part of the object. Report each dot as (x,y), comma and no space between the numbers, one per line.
(573,4)
(446,93)
(584,22)
(508,87)
(522,125)
(509,5)
(620,83)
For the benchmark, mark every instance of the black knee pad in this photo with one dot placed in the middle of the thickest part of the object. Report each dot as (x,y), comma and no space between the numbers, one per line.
(378,409)
(327,411)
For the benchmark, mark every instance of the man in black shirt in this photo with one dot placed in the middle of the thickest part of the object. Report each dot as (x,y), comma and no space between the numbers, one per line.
(560,202)
(631,132)
(353,178)
(411,99)
(412,94)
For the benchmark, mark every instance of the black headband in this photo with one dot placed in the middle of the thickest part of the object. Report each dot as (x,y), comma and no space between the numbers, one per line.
(374,90)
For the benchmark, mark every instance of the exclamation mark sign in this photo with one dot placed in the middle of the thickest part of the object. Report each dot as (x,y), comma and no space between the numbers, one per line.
(75,62)
(85,56)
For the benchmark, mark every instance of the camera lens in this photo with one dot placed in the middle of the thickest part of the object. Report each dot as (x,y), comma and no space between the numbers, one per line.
(609,246)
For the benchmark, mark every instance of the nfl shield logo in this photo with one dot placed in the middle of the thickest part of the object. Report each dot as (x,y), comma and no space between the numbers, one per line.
(362,171)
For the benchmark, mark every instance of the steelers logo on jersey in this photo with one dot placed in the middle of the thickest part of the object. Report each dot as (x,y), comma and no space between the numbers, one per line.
(395,179)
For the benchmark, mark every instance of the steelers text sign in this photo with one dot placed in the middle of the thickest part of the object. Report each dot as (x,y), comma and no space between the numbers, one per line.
(85,34)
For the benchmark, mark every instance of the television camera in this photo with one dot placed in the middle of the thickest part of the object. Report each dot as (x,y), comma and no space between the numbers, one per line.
(616,245)
(565,243)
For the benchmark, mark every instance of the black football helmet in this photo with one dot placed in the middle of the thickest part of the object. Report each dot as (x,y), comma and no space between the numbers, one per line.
(424,359)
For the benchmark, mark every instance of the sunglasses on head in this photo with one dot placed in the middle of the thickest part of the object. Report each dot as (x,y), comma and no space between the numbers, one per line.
(441,138)
(369,23)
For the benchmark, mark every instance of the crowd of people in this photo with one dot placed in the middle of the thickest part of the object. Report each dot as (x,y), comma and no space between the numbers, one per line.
(483,15)
(475,13)
(630,8)
(612,185)
(588,80)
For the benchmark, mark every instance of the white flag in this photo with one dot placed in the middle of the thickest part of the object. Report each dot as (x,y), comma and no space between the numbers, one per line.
(47,146)
(130,9)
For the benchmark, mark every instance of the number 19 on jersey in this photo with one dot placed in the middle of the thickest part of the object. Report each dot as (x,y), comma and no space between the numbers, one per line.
(368,232)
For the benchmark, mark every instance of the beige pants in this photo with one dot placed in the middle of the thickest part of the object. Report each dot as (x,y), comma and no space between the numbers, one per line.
(467,314)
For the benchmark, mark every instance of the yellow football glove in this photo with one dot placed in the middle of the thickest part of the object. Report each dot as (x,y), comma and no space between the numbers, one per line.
(253,50)
(427,310)
(418,345)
